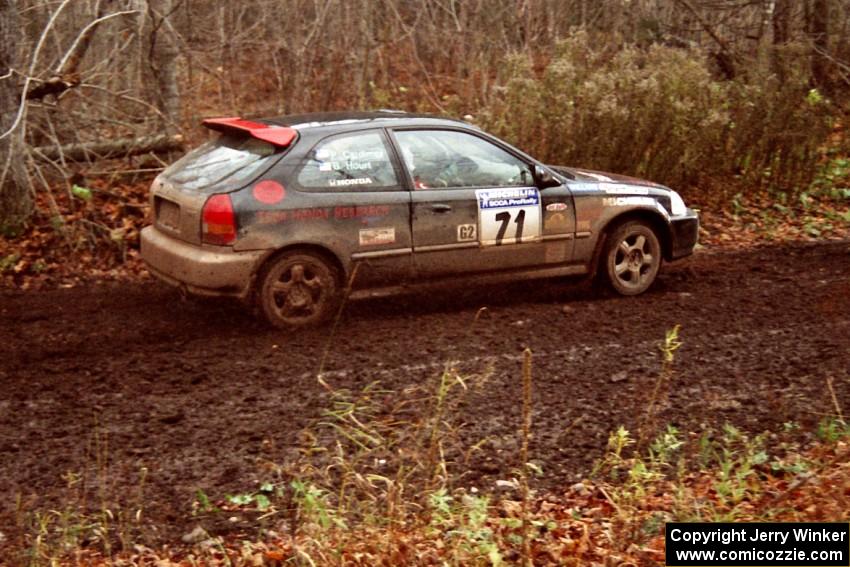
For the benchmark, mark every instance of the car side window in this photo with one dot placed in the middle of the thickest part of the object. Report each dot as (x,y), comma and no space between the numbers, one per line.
(440,159)
(349,162)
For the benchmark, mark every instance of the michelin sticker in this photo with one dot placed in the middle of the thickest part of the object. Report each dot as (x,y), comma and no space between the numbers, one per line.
(508,216)
(625,201)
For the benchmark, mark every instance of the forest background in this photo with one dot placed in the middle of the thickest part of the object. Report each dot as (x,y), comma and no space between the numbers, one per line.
(740,104)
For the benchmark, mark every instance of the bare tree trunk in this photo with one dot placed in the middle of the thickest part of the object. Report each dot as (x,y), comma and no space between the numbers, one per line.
(781,34)
(15,202)
(782,22)
(819,27)
(766,37)
(164,53)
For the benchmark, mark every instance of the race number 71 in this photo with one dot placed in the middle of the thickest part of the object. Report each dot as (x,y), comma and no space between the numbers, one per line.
(505,219)
(508,216)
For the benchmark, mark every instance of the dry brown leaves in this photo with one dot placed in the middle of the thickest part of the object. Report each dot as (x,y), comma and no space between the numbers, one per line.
(582,526)
(92,235)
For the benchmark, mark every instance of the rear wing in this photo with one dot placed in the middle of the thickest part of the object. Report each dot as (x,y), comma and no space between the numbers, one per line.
(279,136)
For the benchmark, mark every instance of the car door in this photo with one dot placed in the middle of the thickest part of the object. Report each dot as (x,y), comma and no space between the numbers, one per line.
(351,200)
(474,206)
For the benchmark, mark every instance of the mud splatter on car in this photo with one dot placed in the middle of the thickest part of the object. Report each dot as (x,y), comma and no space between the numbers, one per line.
(284,211)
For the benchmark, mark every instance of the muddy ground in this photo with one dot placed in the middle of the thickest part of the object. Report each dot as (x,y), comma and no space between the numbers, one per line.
(104,382)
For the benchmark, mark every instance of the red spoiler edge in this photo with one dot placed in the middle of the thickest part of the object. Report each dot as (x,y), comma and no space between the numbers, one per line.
(280,136)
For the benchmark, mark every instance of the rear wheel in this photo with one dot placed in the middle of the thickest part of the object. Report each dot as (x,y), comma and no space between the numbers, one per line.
(298,289)
(631,258)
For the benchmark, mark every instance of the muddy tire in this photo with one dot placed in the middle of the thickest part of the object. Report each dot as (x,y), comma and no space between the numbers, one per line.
(631,258)
(298,289)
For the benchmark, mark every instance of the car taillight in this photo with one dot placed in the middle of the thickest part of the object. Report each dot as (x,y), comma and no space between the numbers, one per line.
(219,222)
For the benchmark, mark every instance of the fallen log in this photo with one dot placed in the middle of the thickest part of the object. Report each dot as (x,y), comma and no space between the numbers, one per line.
(91,151)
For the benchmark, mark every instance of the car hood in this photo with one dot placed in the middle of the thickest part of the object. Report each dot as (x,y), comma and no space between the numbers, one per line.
(602,176)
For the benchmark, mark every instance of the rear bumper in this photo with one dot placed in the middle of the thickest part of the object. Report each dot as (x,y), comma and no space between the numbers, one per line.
(684,232)
(202,270)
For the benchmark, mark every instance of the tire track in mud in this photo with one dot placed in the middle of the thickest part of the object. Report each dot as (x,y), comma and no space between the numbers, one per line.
(571,354)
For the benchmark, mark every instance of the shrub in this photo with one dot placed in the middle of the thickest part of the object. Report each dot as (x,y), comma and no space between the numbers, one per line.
(660,113)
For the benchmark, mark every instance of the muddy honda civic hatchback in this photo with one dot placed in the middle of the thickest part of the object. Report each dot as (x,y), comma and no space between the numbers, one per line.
(291,213)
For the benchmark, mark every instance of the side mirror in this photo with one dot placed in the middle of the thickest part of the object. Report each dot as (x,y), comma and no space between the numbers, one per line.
(543,178)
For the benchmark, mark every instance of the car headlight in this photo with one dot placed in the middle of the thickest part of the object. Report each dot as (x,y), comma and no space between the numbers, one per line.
(677,205)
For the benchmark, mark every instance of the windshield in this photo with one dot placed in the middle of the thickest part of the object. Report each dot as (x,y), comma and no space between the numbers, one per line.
(228,159)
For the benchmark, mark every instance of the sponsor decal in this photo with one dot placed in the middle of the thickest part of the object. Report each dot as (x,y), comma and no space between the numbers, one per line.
(349,182)
(556,207)
(620,189)
(310,214)
(625,201)
(269,192)
(467,232)
(368,213)
(501,198)
(583,186)
(555,221)
(274,217)
(361,211)
(377,236)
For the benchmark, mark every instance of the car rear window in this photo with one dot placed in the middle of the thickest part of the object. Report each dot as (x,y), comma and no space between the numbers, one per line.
(228,159)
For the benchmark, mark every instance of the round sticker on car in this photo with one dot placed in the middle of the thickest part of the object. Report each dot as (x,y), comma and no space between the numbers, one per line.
(269,192)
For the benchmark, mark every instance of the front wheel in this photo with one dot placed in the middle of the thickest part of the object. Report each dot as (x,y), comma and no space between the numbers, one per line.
(631,258)
(298,289)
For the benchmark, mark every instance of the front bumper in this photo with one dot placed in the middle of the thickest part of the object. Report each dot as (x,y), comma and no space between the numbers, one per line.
(202,270)
(684,232)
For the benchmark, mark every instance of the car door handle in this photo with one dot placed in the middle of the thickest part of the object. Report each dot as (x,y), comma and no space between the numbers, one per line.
(441,208)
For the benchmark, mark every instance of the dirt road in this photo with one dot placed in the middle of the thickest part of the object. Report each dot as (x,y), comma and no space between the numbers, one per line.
(126,390)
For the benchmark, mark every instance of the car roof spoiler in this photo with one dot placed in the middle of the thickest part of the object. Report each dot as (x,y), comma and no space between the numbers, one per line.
(280,136)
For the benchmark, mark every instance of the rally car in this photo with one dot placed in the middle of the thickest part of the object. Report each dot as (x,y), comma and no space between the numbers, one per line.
(293,213)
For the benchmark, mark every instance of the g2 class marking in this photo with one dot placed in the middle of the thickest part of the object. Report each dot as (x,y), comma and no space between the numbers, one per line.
(467,232)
